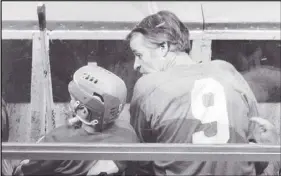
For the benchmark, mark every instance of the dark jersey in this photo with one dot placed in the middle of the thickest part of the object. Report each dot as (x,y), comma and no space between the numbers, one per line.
(206,103)
(119,132)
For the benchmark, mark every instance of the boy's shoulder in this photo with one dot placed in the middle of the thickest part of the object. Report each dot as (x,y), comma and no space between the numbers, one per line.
(121,131)
(60,134)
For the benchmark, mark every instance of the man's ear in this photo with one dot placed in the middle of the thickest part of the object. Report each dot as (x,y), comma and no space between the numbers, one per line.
(164,48)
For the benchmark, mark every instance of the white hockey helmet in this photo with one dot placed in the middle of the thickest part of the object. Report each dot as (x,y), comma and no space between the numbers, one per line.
(101,91)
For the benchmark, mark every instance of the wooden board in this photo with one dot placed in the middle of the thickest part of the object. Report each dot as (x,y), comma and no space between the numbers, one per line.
(95,15)
(241,15)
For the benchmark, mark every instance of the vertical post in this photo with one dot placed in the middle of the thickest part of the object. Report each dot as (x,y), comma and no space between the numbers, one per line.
(47,80)
(40,119)
(36,121)
(201,50)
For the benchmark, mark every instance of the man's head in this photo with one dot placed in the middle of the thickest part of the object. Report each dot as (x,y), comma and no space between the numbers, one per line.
(97,96)
(155,38)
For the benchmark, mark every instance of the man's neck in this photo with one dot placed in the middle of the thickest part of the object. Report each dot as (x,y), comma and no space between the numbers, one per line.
(178,59)
(184,59)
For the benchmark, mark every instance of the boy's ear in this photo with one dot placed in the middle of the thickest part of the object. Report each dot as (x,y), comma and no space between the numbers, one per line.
(83,111)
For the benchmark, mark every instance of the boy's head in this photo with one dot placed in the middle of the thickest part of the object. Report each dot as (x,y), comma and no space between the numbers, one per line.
(97,96)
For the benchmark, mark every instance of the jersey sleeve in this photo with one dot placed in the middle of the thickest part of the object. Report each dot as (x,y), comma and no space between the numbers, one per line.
(144,133)
(123,133)
(139,122)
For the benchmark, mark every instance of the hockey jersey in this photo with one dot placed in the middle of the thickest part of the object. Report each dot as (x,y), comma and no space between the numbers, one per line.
(119,132)
(208,103)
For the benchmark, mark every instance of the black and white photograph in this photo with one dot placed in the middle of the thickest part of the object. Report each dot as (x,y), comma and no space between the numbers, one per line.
(134,88)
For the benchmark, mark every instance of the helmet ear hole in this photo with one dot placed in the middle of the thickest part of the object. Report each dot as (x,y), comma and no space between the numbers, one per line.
(98,96)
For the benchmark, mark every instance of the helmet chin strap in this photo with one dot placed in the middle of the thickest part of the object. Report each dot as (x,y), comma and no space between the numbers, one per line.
(79,118)
(94,122)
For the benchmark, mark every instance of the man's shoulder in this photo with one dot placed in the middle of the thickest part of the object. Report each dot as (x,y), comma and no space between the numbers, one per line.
(180,80)
(148,83)
(222,64)
(150,80)
(191,72)
(119,131)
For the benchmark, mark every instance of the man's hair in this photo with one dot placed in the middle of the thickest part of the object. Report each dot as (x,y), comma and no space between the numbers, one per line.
(161,27)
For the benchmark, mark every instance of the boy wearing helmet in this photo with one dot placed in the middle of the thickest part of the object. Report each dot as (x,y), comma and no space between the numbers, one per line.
(97,98)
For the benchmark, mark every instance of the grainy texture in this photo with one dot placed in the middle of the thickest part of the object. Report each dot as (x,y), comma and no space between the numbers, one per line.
(251,15)
(265,82)
(16,70)
(112,55)
(124,15)
(271,111)
(239,52)
(17,113)
(67,56)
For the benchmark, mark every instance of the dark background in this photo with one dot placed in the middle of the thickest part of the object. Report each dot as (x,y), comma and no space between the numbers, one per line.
(67,56)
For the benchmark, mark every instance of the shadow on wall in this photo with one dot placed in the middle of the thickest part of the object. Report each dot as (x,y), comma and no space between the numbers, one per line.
(65,58)
(110,54)
(258,62)
(68,55)
(16,70)
(245,55)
